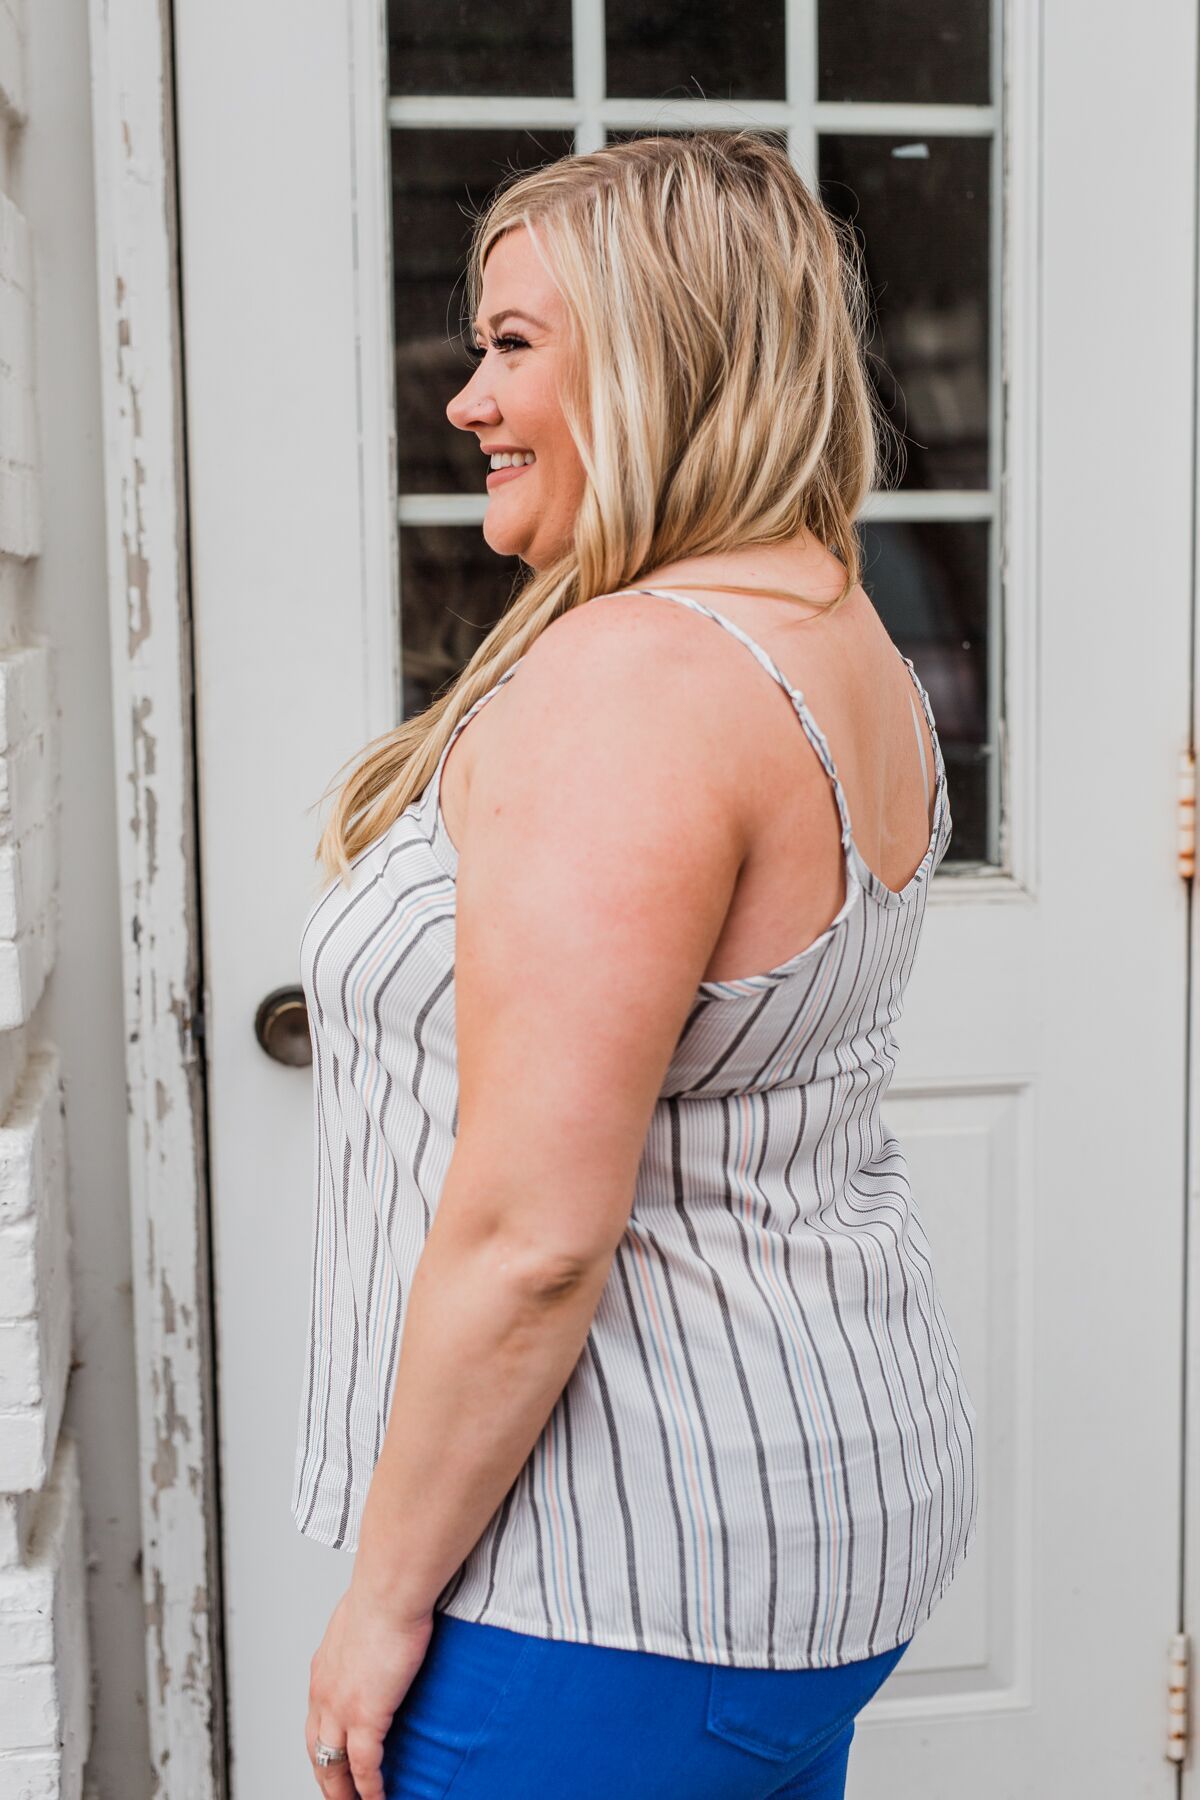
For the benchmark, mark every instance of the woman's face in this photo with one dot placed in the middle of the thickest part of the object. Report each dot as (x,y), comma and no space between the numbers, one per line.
(511,404)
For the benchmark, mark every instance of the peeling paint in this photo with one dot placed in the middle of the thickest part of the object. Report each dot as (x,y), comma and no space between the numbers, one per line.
(194,1670)
(180,1009)
(164,1470)
(155,1622)
(168,1305)
(152,712)
(151,836)
(172,1424)
(137,565)
(145,798)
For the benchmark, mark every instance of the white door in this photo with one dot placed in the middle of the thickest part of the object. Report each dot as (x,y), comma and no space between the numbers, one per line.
(1033,272)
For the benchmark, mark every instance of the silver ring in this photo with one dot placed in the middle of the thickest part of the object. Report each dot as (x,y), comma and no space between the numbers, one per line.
(324,1754)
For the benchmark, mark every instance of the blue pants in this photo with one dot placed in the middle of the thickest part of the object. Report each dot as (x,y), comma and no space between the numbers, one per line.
(502,1715)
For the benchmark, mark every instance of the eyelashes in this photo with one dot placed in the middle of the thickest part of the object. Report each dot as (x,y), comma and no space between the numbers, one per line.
(504,344)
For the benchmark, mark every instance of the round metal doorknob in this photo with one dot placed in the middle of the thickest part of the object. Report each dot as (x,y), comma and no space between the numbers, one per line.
(281,1026)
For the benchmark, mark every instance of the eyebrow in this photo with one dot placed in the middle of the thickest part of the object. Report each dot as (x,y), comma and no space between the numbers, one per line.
(511,312)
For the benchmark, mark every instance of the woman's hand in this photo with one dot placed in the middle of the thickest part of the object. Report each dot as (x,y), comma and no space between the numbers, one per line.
(361,1672)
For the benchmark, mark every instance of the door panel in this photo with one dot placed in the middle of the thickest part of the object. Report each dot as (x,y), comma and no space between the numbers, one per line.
(1034,559)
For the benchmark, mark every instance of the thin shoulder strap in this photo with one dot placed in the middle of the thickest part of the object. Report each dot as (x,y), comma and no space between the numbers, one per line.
(943,823)
(939,763)
(812,730)
(921,748)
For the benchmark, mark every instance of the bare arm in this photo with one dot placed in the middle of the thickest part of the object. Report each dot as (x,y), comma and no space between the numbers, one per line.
(601,851)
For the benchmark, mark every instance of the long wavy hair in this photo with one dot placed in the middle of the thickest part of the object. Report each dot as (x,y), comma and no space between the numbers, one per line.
(717,393)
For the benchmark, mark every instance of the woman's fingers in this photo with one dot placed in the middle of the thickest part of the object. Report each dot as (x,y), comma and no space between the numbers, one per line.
(366,1762)
(310,1739)
(335,1780)
(359,1776)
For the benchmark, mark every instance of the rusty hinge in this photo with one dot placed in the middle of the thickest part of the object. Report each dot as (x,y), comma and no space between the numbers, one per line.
(1178,1670)
(1187,814)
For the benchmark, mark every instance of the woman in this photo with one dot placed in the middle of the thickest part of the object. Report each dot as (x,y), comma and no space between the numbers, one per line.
(610,1235)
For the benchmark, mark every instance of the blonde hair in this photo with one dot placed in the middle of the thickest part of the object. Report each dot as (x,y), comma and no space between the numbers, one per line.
(718,396)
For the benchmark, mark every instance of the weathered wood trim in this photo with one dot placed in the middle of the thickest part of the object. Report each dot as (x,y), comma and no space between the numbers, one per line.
(12,61)
(141,372)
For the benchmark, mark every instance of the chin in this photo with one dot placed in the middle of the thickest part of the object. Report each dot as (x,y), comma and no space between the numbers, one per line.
(512,537)
(505,542)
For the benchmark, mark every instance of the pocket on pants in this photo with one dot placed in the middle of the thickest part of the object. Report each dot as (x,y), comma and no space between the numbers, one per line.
(778,1713)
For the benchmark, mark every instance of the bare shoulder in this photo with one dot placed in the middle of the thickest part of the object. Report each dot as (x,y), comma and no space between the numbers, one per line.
(622,690)
(642,635)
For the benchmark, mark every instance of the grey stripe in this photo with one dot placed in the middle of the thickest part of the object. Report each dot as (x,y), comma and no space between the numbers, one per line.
(580,1551)
(635,1601)
(664,1440)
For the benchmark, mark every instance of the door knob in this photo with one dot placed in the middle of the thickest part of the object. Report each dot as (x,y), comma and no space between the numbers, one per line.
(281,1026)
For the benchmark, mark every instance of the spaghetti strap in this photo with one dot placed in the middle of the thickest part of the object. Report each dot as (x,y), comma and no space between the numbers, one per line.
(812,730)
(921,748)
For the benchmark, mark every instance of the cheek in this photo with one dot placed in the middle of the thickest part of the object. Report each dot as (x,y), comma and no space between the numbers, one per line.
(546,421)
(572,475)
(561,454)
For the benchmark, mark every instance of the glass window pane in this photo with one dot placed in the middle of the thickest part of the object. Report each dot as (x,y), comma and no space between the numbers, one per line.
(453,589)
(721,50)
(921,209)
(929,582)
(924,51)
(438,179)
(471,47)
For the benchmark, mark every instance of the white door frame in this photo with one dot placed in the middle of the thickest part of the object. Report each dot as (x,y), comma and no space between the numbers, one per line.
(140,329)
(146,522)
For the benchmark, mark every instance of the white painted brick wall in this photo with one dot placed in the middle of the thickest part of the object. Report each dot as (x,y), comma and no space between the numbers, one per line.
(29,811)
(35,1332)
(18,473)
(44,1696)
(44,1676)
(44,1693)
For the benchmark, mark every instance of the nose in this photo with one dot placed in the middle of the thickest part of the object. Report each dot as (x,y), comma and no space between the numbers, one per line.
(473,405)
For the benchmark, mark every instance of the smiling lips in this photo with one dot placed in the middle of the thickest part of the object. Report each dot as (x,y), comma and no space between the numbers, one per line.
(506,465)
(511,473)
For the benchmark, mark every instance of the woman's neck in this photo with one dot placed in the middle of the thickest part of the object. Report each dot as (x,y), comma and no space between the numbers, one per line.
(799,569)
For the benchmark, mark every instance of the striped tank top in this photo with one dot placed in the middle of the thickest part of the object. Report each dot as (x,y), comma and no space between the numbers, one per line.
(765,1453)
